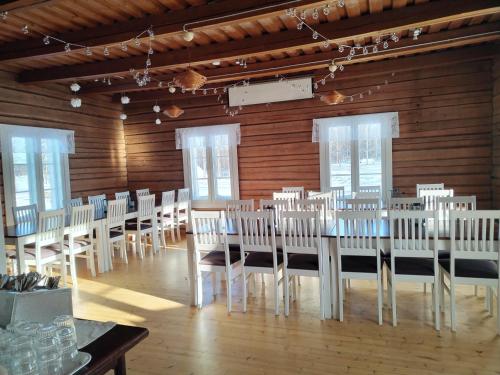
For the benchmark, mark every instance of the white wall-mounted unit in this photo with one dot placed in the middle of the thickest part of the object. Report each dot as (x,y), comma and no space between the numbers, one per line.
(270,92)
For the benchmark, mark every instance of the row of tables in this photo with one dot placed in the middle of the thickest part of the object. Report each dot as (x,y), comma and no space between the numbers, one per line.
(329,234)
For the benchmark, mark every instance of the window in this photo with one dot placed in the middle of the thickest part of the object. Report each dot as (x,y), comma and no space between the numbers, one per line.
(35,167)
(210,162)
(356,151)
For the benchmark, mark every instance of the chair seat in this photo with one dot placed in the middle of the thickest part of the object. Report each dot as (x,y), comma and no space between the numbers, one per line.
(444,254)
(258,259)
(303,262)
(234,247)
(218,258)
(412,266)
(46,251)
(115,233)
(361,264)
(11,254)
(133,226)
(474,268)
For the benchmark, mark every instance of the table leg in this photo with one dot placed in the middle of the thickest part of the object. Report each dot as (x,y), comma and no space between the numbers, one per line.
(156,248)
(191,270)
(21,263)
(121,366)
(326,278)
(334,278)
(99,231)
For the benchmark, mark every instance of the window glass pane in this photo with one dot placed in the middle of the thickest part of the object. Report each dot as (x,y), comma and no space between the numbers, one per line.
(339,151)
(24,172)
(222,167)
(199,170)
(52,175)
(370,154)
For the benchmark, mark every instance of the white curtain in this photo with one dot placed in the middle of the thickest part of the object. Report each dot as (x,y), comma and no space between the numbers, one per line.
(388,121)
(189,137)
(60,141)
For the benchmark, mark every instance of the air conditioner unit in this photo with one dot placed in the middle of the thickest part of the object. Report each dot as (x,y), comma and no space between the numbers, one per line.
(270,92)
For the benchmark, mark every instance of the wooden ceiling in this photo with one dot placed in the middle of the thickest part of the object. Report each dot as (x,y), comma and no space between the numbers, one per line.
(266,38)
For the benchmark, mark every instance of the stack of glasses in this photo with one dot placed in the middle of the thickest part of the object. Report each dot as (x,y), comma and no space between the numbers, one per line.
(28,348)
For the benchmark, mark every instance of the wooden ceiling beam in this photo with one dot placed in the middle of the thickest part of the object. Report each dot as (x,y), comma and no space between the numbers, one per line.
(164,25)
(351,28)
(303,63)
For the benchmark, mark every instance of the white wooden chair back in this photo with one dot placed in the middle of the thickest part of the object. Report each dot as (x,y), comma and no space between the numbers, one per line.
(50,228)
(474,235)
(25,214)
(290,197)
(146,207)
(294,189)
(358,233)
(116,213)
(98,201)
(82,221)
(209,231)
(428,187)
(301,234)
(235,206)
(277,206)
(75,202)
(256,232)
(431,197)
(183,199)
(363,204)
(331,203)
(123,195)
(338,194)
(313,205)
(365,195)
(406,203)
(311,193)
(462,203)
(414,234)
(142,192)
(168,203)
(370,189)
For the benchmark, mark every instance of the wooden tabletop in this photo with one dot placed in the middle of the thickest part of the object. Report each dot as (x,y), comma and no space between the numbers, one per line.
(108,351)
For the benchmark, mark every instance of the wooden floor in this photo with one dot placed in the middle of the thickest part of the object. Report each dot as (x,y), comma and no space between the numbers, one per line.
(183,340)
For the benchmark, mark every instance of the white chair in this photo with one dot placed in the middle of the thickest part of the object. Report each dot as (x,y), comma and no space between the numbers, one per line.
(258,250)
(315,205)
(359,252)
(369,189)
(212,252)
(474,256)
(302,251)
(166,220)
(428,187)
(115,227)
(75,202)
(146,213)
(331,202)
(431,197)
(49,240)
(25,214)
(363,204)
(142,193)
(277,206)
(338,194)
(299,190)
(183,208)
(98,201)
(290,197)
(123,195)
(235,206)
(365,195)
(406,203)
(80,241)
(414,254)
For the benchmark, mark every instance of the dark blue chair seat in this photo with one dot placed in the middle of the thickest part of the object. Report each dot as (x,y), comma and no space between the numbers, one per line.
(362,264)
(303,262)
(475,268)
(412,266)
(258,259)
(133,226)
(218,258)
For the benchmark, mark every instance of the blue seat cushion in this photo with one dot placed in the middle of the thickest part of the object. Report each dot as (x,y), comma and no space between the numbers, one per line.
(133,226)
(258,259)
(362,264)
(218,258)
(303,262)
(412,266)
(475,268)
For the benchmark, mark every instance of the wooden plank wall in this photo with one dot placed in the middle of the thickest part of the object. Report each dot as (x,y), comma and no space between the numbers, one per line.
(496,131)
(445,125)
(99,163)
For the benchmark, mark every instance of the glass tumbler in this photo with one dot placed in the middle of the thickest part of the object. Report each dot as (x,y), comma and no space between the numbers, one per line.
(49,363)
(24,361)
(66,321)
(67,345)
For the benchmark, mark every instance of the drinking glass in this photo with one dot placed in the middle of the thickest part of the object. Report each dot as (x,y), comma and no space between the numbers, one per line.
(66,321)
(48,330)
(67,345)
(5,338)
(27,329)
(24,362)
(49,363)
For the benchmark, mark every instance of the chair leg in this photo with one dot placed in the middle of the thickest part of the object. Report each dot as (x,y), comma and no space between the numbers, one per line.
(298,280)
(453,306)
(393,301)
(425,288)
(123,248)
(178,231)
(286,286)
(228,290)
(214,284)
(72,268)
(321,298)
(138,244)
(441,291)
(199,289)
(172,234)
(64,271)
(263,281)
(276,295)
(436,294)
(475,290)
(90,257)
(294,288)
(163,239)
(341,297)
(244,282)
(380,298)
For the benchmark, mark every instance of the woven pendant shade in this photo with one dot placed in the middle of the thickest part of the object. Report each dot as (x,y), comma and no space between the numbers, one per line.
(190,80)
(173,111)
(332,98)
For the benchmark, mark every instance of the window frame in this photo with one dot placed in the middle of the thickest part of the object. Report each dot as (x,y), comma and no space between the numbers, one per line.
(38,190)
(213,201)
(386,156)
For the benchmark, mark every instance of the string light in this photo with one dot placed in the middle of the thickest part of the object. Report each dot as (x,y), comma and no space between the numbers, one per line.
(4,15)
(123,116)
(75,87)
(76,102)
(125,99)
(25,29)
